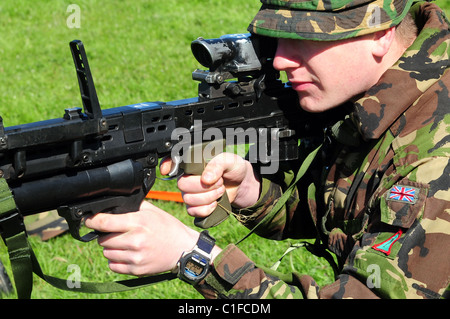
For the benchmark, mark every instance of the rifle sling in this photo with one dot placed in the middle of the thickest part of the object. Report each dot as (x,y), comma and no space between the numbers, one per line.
(317,248)
(285,196)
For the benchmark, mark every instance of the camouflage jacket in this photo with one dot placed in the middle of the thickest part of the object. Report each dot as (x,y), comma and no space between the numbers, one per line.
(383,205)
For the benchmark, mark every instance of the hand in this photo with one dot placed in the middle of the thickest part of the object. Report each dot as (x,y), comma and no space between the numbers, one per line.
(146,242)
(225,172)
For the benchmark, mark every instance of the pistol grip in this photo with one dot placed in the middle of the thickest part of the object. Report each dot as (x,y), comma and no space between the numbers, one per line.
(219,214)
(213,148)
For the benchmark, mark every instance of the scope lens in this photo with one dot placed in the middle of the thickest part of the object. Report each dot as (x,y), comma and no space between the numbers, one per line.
(202,54)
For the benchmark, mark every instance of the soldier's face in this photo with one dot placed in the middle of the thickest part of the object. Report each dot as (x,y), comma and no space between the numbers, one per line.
(327,73)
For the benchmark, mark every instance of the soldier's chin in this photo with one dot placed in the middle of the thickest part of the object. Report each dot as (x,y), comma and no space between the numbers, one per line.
(313,105)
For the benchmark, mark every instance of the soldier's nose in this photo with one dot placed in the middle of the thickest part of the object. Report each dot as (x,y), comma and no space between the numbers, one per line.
(284,57)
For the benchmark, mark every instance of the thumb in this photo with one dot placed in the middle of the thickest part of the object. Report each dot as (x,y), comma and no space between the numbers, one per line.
(227,165)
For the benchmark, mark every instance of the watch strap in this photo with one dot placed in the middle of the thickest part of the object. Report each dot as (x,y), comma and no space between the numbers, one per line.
(206,242)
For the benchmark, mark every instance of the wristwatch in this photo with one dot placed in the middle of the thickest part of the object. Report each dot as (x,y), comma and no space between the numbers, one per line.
(193,265)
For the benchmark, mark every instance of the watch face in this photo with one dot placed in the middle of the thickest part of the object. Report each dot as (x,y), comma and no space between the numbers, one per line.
(195,266)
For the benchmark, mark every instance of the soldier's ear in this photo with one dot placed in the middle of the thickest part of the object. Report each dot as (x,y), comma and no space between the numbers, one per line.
(383,42)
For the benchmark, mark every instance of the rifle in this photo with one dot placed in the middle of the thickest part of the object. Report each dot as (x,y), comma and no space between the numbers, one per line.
(93,160)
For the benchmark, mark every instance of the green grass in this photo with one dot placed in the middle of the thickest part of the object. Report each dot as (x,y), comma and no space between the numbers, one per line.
(138,51)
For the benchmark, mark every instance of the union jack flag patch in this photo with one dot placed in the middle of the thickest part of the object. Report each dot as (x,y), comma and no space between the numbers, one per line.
(405,194)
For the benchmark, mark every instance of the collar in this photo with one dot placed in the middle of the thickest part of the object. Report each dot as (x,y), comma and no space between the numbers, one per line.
(422,65)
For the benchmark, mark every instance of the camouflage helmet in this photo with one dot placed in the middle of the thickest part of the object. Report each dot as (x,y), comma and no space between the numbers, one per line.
(327,20)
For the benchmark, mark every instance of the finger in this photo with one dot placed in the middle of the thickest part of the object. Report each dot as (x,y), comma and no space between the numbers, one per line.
(201,211)
(120,268)
(123,268)
(194,184)
(165,166)
(128,269)
(122,262)
(116,255)
(222,164)
(113,240)
(205,198)
(109,223)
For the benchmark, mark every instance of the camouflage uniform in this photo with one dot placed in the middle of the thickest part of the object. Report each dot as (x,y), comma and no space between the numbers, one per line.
(383,205)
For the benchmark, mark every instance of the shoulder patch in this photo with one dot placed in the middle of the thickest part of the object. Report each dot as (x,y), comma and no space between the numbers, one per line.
(404,194)
(385,246)
(403,203)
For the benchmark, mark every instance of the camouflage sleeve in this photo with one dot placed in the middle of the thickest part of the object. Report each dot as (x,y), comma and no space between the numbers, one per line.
(252,216)
(234,275)
(294,219)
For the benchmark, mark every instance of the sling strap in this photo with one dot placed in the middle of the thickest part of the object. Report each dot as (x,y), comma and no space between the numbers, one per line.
(287,194)
(318,248)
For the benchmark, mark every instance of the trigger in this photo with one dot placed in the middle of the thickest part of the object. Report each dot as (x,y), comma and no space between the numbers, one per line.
(176,161)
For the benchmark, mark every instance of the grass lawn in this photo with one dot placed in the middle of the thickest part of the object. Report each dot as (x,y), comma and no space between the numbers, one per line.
(138,50)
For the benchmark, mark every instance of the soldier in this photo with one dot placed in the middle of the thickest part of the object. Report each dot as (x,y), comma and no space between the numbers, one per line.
(378,197)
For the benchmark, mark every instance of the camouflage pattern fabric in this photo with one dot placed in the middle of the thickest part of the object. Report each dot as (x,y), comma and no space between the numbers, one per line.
(317,19)
(46,225)
(384,206)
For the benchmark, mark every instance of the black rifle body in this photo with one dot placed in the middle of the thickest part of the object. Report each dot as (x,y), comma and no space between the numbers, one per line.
(105,161)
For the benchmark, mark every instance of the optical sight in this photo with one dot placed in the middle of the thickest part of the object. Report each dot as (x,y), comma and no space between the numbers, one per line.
(234,53)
